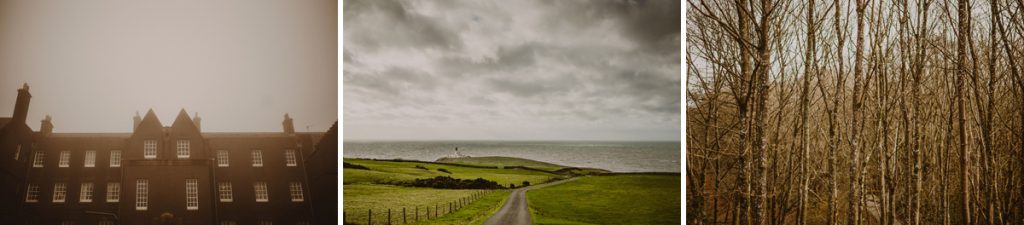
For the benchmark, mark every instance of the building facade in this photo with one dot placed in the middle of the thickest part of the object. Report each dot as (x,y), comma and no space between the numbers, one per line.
(156,174)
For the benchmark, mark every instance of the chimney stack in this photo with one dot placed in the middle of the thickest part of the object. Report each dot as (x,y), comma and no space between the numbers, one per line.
(21,105)
(197,121)
(137,120)
(47,126)
(289,127)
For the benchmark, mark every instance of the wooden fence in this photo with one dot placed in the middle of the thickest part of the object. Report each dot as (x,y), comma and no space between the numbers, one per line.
(406,215)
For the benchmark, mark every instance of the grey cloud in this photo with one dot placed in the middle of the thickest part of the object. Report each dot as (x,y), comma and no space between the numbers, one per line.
(398,26)
(476,66)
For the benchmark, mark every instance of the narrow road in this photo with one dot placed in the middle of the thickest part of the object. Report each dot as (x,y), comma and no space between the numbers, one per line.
(515,211)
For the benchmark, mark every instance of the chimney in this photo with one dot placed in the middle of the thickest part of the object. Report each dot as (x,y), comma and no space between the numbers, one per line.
(21,105)
(47,126)
(196,120)
(289,127)
(137,120)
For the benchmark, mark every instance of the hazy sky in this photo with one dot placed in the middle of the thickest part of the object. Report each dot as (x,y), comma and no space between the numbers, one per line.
(512,70)
(241,64)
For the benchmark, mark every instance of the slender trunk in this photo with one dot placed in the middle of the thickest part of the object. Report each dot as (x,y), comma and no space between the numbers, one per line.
(759,148)
(833,216)
(742,103)
(809,69)
(962,16)
(854,206)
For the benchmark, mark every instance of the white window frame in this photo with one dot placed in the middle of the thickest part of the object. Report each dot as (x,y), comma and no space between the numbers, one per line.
(224,192)
(149,149)
(183,149)
(257,158)
(60,192)
(141,194)
(223,159)
(295,190)
(32,193)
(85,192)
(90,159)
(191,194)
(65,159)
(114,192)
(262,194)
(290,159)
(115,158)
(37,160)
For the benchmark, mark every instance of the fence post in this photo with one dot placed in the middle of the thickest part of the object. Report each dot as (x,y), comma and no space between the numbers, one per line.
(435,211)
(389,216)
(449,207)
(417,214)
(369,219)
(403,216)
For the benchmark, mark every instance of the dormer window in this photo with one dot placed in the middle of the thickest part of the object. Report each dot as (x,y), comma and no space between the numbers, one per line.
(183,149)
(149,149)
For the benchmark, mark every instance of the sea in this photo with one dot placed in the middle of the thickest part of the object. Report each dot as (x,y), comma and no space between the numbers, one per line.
(613,156)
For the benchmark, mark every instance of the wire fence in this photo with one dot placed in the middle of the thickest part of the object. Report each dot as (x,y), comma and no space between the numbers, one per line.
(413,214)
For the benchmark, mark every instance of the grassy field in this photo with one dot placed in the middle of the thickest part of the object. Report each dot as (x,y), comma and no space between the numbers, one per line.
(475,213)
(370,189)
(503,161)
(617,199)
(360,198)
(388,172)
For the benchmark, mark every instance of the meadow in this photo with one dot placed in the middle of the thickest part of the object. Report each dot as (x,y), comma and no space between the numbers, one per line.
(611,199)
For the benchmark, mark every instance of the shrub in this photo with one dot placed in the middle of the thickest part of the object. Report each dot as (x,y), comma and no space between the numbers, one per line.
(512,186)
(526,183)
(446,182)
(354,166)
(421,167)
(444,170)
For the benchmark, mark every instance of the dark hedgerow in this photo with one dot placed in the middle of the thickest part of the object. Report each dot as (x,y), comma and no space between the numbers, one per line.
(444,170)
(421,167)
(447,182)
(354,166)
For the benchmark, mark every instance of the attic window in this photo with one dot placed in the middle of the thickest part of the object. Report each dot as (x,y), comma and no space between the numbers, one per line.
(149,149)
(183,149)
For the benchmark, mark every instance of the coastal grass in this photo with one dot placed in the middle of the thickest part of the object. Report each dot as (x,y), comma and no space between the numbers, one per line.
(502,161)
(359,199)
(612,199)
(475,213)
(389,172)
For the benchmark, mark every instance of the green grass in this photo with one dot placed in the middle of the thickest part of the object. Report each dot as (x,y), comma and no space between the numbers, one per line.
(503,161)
(617,199)
(475,213)
(359,198)
(390,172)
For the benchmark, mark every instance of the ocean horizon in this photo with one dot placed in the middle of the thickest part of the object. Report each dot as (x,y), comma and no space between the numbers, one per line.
(616,156)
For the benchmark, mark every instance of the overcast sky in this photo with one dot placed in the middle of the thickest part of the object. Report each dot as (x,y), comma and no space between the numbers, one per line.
(512,70)
(241,64)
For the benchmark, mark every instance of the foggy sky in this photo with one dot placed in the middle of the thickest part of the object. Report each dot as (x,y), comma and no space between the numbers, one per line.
(241,64)
(512,70)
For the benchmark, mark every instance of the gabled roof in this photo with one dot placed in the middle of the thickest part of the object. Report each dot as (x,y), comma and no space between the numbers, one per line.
(184,122)
(149,121)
